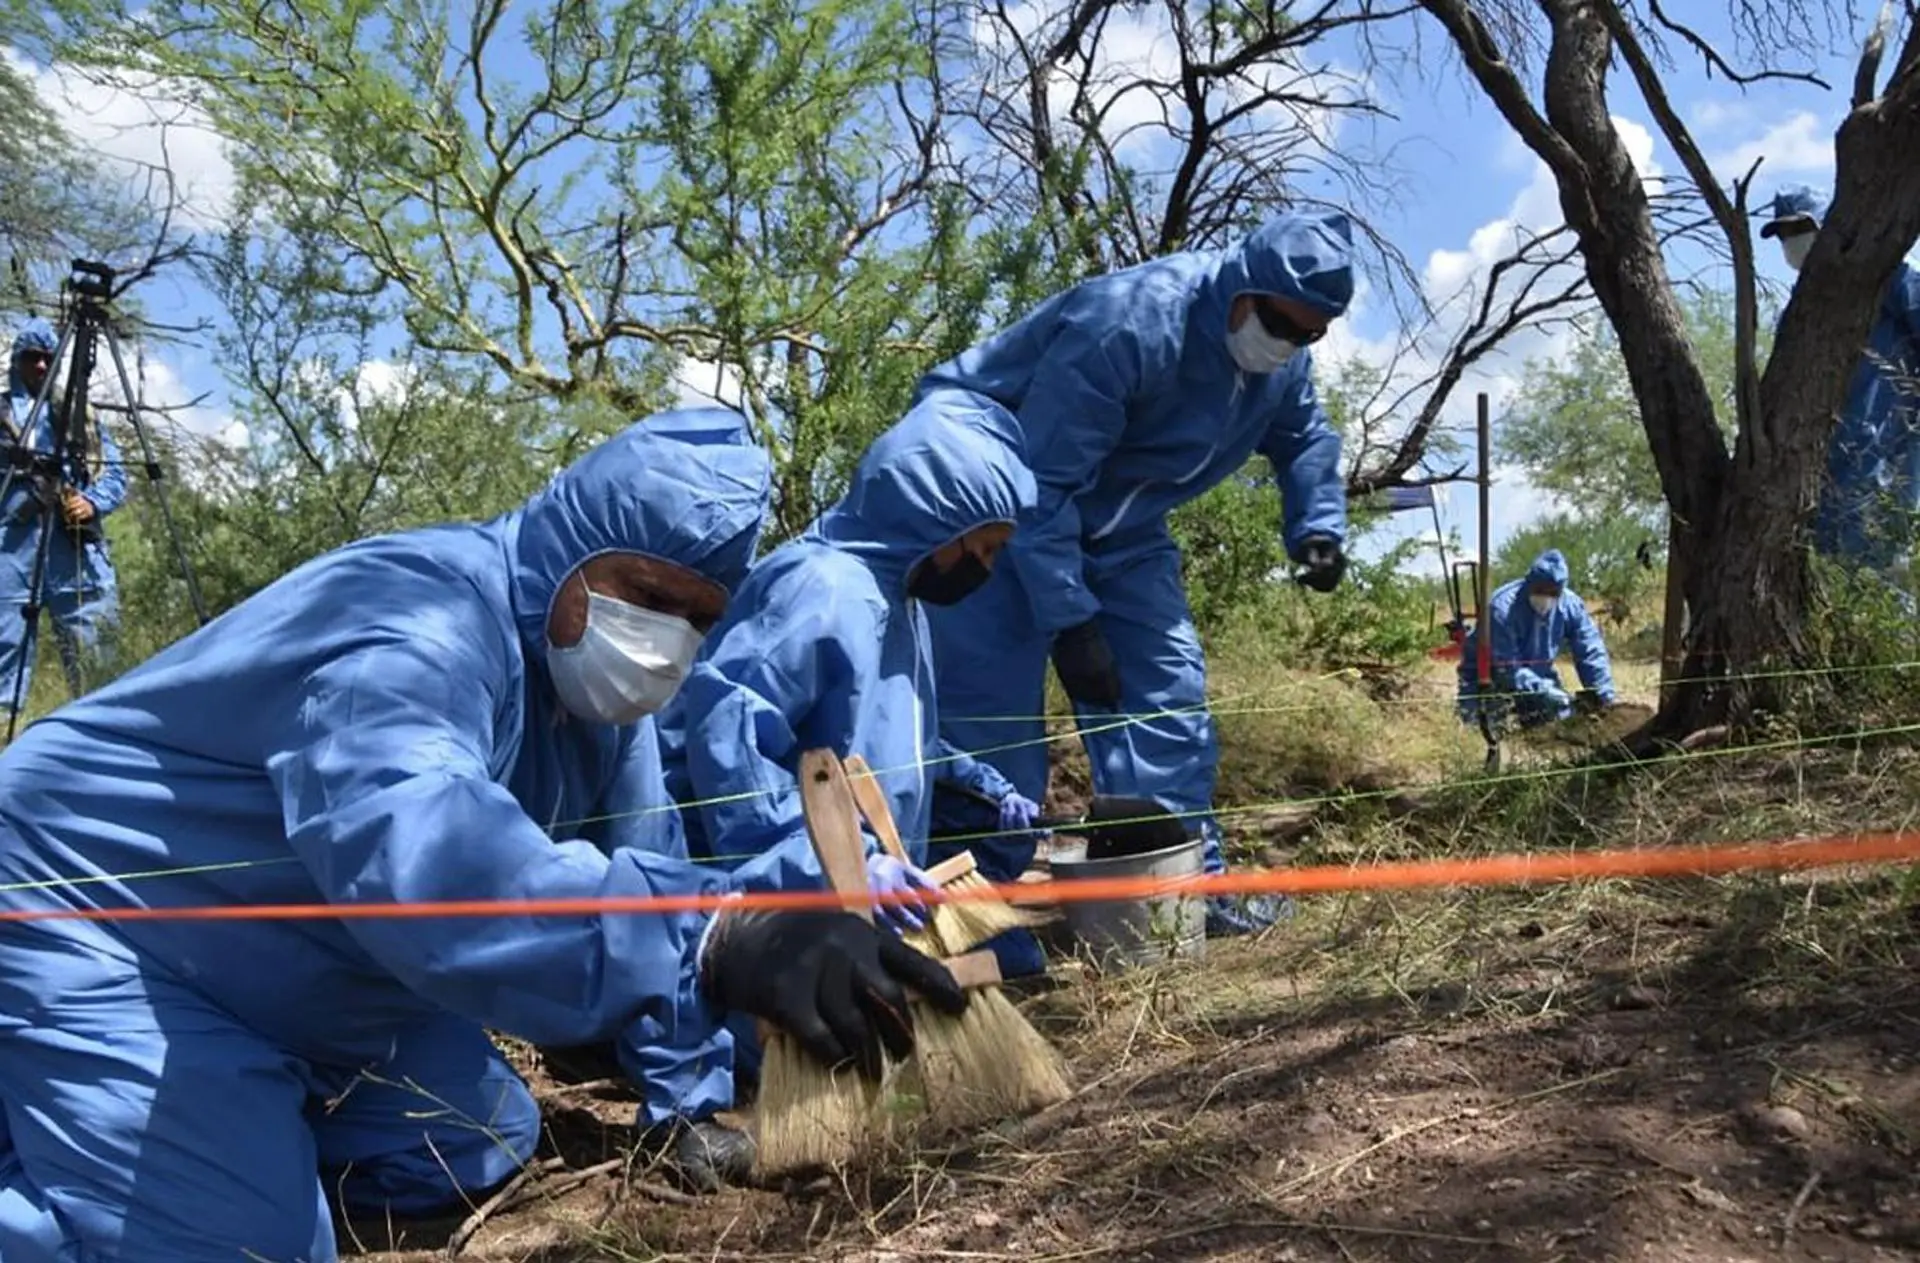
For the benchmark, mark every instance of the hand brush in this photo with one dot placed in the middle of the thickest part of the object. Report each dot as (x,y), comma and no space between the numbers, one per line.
(989,1062)
(808,1115)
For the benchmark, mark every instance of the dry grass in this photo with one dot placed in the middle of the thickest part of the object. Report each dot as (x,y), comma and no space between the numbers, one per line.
(1703,1069)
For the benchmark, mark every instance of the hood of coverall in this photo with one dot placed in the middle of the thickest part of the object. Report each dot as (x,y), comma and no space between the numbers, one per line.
(35,335)
(952,464)
(1303,255)
(687,486)
(1548,567)
(1795,201)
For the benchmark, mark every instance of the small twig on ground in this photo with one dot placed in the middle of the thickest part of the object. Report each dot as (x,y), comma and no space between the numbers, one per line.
(591,1085)
(662,1193)
(1799,1204)
(485,1210)
(521,1189)
(568,1183)
(1333,1170)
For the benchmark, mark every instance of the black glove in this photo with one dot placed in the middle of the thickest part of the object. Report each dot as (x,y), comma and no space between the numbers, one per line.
(1084,662)
(1324,562)
(1588,702)
(834,982)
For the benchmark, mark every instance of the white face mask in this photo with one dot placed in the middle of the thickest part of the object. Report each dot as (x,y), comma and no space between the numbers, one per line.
(1796,248)
(1255,350)
(1543,605)
(629,662)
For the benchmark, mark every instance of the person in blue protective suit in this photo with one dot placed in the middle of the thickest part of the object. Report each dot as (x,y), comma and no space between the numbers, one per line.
(1533,618)
(1872,485)
(826,646)
(77,587)
(376,727)
(1136,392)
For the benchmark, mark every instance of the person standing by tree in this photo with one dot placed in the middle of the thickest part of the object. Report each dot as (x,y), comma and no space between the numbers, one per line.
(1872,487)
(1137,392)
(79,588)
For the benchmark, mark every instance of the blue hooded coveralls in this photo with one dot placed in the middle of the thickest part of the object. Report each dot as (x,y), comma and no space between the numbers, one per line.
(1130,405)
(375,726)
(823,648)
(1525,646)
(79,589)
(1873,460)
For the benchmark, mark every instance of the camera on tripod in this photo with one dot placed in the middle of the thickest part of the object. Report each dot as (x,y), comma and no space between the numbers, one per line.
(92,280)
(55,472)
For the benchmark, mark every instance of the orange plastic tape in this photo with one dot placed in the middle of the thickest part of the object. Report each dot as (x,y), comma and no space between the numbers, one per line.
(1491,870)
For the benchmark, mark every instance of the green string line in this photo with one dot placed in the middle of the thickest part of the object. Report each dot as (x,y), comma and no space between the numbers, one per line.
(1470,783)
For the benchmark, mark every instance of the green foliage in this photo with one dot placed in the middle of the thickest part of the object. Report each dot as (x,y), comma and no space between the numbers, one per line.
(1867,640)
(1601,558)
(1381,615)
(338,459)
(501,232)
(1230,547)
(56,201)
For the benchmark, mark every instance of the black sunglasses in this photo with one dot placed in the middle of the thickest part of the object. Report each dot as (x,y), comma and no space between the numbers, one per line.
(1282,326)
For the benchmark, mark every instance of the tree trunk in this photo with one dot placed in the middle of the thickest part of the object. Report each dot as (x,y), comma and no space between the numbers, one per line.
(1752,587)
(1747,577)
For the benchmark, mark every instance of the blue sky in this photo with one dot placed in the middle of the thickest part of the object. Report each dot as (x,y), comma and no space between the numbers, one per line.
(1466,183)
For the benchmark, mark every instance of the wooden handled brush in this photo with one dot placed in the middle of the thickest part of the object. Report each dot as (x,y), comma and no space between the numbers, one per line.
(957,927)
(807,1115)
(828,798)
(989,1061)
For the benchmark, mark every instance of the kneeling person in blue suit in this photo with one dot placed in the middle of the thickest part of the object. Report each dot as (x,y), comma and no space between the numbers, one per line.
(381,725)
(826,646)
(1532,620)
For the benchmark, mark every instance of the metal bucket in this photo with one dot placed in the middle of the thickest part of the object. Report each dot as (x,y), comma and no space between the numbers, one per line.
(1127,933)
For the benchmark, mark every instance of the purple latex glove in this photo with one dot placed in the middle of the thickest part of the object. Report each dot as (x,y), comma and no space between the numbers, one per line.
(1017,813)
(886,875)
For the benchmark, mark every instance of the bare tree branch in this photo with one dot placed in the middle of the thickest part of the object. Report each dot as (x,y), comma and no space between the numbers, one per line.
(1534,259)
(1715,61)
(1731,217)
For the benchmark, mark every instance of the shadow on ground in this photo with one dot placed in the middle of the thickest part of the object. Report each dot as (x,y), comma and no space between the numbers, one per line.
(1718,1071)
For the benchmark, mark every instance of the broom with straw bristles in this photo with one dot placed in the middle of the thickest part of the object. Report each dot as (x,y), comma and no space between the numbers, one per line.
(808,1115)
(989,1061)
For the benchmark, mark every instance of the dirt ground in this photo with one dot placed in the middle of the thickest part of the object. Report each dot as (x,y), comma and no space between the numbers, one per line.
(1704,1072)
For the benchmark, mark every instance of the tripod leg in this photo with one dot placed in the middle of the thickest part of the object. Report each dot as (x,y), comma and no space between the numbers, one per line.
(30,622)
(151,463)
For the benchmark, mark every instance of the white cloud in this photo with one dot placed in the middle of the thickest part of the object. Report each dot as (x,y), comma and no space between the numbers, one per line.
(138,128)
(1798,145)
(1708,116)
(376,382)
(166,403)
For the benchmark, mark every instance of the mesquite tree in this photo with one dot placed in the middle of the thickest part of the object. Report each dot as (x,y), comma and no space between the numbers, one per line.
(1740,514)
